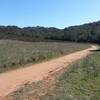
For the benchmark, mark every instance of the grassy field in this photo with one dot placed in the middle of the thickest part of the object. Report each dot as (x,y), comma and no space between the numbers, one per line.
(14,54)
(80,82)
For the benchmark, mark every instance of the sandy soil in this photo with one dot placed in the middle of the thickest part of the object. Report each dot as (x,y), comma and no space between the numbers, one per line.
(11,81)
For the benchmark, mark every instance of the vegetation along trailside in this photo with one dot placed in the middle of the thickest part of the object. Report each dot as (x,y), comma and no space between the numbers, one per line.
(49,49)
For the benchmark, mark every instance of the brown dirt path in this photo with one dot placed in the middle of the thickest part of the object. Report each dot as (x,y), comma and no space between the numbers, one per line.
(13,80)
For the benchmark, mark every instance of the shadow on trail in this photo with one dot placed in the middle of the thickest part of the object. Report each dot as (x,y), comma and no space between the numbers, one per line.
(98,50)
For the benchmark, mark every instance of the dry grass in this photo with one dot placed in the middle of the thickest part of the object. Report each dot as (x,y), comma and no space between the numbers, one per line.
(15,54)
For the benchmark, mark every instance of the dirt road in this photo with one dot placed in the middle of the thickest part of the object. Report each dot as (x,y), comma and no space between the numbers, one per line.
(13,80)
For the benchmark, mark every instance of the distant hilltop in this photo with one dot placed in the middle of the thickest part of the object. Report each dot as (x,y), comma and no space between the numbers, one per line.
(82,33)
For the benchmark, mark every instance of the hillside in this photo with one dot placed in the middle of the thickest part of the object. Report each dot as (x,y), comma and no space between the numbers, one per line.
(83,33)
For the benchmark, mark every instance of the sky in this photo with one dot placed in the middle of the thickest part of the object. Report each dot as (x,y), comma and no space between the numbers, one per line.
(48,13)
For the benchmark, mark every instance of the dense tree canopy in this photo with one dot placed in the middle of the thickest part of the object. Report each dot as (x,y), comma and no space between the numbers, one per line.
(84,33)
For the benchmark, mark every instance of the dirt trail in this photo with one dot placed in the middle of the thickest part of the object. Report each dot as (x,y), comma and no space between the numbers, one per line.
(13,80)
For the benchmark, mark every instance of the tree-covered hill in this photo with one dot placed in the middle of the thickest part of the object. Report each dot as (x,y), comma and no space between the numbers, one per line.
(83,33)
